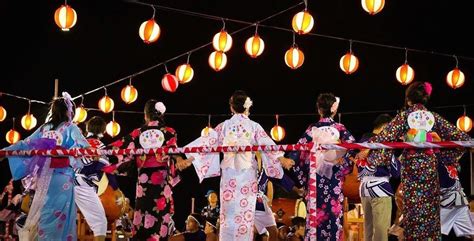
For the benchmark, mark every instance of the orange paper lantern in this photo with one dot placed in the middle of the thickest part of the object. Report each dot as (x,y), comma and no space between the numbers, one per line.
(464,123)
(149,31)
(254,46)
(28,121)
(106,104)
(349,63)
(222,41)
(405,74)
(217,60)
(294,57)
(3,113)
(302,22)
(65,17)
(455,78)
(129,94)
(205,131)
(112,128)
(12,136)
(373,6)
(184,73)
(277,133)
(80,114)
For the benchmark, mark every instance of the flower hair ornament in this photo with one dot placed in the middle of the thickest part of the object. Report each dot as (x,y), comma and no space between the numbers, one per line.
(428,88)
(160,107)
(248,103)
(335,105)
(70,105)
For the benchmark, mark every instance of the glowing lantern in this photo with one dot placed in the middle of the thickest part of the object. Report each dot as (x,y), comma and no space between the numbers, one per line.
(302,22)
(112,128)
(373,6)
(217,60)
(149,31)
(455,78)
(277,133)
(464,123)
(294,57)
(205,131)
(349,63)
(12,136)
(184,73)
(3,113)
(80,114)
(65,17)
(254,46)
(129,94)
(106,104)
(169,83)
(28,121)
(405,74)
(222,41)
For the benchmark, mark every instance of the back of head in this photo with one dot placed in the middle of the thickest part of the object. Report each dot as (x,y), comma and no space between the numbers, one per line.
(381,120)
(152,113)
(199,218)
(418,93)
(58,112)
(96,125)
(237,101)
(298,221)
(324,104)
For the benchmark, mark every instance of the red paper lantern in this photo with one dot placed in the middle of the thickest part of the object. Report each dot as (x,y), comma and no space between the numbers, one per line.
(169,83)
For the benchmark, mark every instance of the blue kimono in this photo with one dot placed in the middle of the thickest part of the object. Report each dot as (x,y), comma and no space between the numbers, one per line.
(52,215)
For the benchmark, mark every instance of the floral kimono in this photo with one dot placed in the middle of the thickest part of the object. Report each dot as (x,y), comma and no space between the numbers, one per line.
(419,166)
(326,222)
(52,215)
(238,186)
(154,202)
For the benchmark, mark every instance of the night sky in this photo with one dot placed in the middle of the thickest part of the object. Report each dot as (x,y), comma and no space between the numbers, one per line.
(104,46)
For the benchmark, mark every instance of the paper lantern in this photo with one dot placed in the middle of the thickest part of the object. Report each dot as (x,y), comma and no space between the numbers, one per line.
(149,31)
(205,131)
(28,121)
(302,22)
(464,123)
(169,83)
(294,57)
(65,17)
(222,41)
(373,6)
(129,94)
(405,74)
(217,60)
(277,133)
(80,114)
(254,46)
(12,136)
(106,104)
(112,128)
(455,78)
(349,63)
(184,73)
(3,113)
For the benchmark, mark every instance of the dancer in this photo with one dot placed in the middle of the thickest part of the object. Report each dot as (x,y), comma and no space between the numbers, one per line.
(156,174)
(52,215)
(375,190)
(324,219)
(419,166)
(238,187)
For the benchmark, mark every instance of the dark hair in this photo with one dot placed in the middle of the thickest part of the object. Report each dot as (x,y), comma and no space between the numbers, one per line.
(201,220)
(298,221)
(237,101)
(324,104)
(96,125)
(416,94)
(381,120)
(152,113)
(58,113)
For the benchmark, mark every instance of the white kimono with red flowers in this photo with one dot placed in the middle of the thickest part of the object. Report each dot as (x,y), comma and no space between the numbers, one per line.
(238,188)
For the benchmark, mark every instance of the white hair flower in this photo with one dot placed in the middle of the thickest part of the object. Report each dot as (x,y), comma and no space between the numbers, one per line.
(160,107)
(248,103)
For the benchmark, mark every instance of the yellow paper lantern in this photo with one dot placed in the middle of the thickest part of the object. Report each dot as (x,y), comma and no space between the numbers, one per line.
(65,17)
(129,94)
(80,114)
(464,123)
(349,63)
(184,73)
(112,128)
(294,57)
(405,74)
(222,41)
(3,113)
(217,60)
(12,136)
(373,6)
(149,31)
(28,121)
(106,104)
(455,78)
(254,46)
(277,133)
(302,22)
(205,131)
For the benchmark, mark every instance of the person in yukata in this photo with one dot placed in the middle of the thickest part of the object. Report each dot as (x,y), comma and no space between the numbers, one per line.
(212,209)
(238,186)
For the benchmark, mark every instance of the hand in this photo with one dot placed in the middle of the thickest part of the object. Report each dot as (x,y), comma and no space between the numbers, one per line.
(362,154)
(16,199)
(286,163)
(299,191)
(182,164)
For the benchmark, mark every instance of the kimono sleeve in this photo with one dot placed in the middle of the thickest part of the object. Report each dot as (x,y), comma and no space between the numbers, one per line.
(300,171)
(392,132)
(271,164)
(346,137)
(123,165)
(448,132)
(76,140)
(207,164)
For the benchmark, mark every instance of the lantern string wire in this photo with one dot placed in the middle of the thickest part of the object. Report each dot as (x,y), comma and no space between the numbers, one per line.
(23,98)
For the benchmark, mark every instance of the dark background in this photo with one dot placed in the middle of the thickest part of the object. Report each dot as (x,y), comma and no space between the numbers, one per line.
(105,46)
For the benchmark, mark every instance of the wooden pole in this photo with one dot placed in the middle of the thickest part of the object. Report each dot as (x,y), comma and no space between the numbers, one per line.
(56,88)
(192,205)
